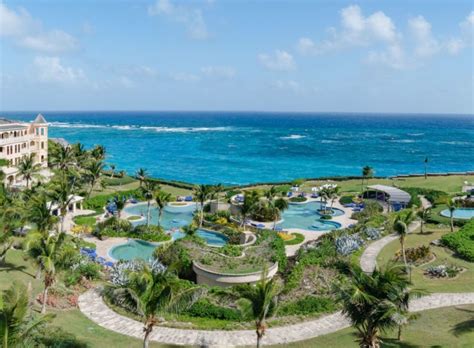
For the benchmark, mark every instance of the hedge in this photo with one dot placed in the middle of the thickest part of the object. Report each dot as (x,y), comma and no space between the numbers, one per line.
(434,196)
(462,241)
(308,305)
(206,309)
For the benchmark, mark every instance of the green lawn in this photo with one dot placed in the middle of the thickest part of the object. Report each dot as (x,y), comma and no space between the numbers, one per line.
(432,329)
(464,282)
(175,191)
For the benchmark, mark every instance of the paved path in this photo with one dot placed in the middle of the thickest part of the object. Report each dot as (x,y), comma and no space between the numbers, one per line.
(426,204)
(92,305)
(368,260)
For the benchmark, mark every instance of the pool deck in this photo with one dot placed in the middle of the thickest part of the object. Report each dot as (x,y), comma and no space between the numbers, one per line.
(103,246)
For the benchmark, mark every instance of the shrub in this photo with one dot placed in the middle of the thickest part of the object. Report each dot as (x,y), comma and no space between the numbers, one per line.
(325,217)
(346,199)
(308,305)
(231,250)
(416,255)
(443,271)
(298,238)
(372,233)
(206,309)
(434,196)
(83,269)
(177,258)
(462,241)
(298,199)
(346,245)
(233,235)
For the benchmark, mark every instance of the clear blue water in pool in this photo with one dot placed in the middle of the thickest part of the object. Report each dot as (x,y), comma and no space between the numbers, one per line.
(172,217)
(250,147)
(460,213)
(140,249)
(305,216)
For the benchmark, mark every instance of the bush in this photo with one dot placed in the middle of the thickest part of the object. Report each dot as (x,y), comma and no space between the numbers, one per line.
(346,245)
(177,258)
(233,235)
(114,227)
(298,238)
(84,269)
(298,199)
(462,241)
(416,255)
(443,271)
(205,309)
(434,196)
(346,199)
(308,305)
(231,250)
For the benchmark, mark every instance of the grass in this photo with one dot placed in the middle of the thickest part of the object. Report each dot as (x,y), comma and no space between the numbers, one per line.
(462,283)
(432,329)
(85,220)
(134,184)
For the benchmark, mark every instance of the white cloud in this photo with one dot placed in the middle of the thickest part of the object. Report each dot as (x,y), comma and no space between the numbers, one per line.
(191,18)
(426,44)
(393,56)
(50,69)
(185,77)
(224,72)
(280,60)
(28,32)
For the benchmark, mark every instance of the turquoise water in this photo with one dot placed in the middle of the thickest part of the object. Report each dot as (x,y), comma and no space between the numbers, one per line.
(172,217)
(140,249)
(305,216)
(249,147)
(460,213)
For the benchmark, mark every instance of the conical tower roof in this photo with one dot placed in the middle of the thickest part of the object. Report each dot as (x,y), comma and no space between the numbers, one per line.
(39,119)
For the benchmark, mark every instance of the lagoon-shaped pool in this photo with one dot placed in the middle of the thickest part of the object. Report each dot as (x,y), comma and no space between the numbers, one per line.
(459,213)
(305,216)
(140,249)
(172,217)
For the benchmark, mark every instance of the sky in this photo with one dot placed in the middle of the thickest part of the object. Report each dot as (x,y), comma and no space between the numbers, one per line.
(404,56)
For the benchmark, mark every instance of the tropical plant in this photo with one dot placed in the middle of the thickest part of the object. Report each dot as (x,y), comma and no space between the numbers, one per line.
(6,243)
(162,198)
(29,169)
(277,206)
(258,303)
(190,230)
(48,251)
(246,209)
(367,173)
(148,189)
(218,189)
(93,174)
(62,157)
(423,215)
(39,213)
(141,175)
(202,194)
(98,152)
(17,327)
(452,205)
(62,192)
(151,293)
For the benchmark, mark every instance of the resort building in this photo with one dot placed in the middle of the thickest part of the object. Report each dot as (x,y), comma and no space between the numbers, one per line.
(391,198)
(20,139)
(75,204)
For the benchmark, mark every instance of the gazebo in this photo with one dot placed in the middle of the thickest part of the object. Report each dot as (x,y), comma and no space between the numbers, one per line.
(394,198)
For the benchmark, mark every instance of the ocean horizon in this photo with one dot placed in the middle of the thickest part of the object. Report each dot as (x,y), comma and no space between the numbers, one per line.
(250,147)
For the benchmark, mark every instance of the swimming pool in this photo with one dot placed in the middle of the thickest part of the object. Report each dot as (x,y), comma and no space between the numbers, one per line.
(459,213)
(306,217)
(172,217)
(140,249)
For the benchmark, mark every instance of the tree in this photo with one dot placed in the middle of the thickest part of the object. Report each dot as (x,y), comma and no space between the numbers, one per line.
(141,175)
(62,157)
(120,204)
(162,198)
(29,169)
(39,213)
(333,194)
(367,173)
(278,206)
(271,193)
(202,193)
(62,193)
(372,301)
(48,249)
(16,325)
(148,190)
(98,152)
(218,189)
(259,302)
(452,205)
(426,167)
(151,293)
(190,230)
(247,208)
(6,242)
(93,174)
(112,170)
(423,215)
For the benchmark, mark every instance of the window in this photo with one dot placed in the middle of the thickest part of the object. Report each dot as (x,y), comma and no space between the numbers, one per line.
(42,145)
(42,131)
(37,131)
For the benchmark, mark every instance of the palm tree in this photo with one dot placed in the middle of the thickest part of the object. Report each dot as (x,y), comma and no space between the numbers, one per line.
(333,194)
(80,154)
(141,175)
(372,301)
(367,173)
(202,193)
(62,193)
(148,189)
(98,152)
(16,325)
(278,206)
(62,157)
(39,213)
(162,199)
(271,193)
(190,230)
(247,208)
(152,293)
(29,169)
(423,215)
(112,170)
(6,242)
(259,302)
(94,169)
(452,205)
(217,190)
(400,226)
(48,249)
(426,166)
(120,204)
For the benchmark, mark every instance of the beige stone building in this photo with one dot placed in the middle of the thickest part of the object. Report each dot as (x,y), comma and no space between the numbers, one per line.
(20,139)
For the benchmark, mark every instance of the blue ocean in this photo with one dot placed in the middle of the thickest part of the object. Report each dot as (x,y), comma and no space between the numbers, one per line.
(250,147)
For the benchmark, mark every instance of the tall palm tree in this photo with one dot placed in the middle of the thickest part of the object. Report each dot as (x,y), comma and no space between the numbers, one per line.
(120,204)
(426,167)
(152,293)
(333,194)
(259,302)
(98,152)
(400,227)
(39,213)
(148,190)
(277,206)
(162,199)
(452,205)
(62,157)
(62,193)
(93,174)
(29,169)
(271,193)
(423,215)
(48,249)
(247,208)
(112,170)
(367,173)
(17,327)
(80,154)
(372,301)
(141,175)
(6,242)
(217,190)
(202,193)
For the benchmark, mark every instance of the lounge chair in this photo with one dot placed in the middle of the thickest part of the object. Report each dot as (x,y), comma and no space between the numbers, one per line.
(188,198)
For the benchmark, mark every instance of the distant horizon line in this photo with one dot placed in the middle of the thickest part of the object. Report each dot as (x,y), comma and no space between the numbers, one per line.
(372,113)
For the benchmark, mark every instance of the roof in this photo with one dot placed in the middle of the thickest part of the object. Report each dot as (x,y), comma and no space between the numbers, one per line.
(39,119)
(4,120)
(395,194)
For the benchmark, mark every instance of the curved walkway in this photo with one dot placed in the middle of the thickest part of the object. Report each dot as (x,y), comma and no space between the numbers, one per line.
(368,260)
(92,305)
